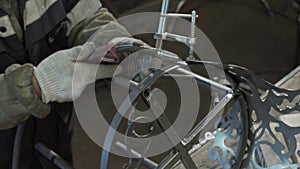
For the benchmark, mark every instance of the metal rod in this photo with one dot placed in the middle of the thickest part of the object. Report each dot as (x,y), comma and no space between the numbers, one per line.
(175,37)
(192,36)
(162,22)
(146,161)
(225,100)
(170,161)
(123,82)
(52,156)
(206,80)
(177,15)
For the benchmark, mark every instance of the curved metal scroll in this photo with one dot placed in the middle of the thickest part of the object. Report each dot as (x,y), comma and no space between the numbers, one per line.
(268,131)
(228,140)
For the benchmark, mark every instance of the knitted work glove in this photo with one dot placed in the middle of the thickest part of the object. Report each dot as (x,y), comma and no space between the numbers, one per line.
(55,74)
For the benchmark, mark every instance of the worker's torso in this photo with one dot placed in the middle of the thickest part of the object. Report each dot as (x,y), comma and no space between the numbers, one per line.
(31,30)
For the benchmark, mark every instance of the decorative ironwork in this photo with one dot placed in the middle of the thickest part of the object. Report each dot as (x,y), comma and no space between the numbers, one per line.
(266,103)
(228,133)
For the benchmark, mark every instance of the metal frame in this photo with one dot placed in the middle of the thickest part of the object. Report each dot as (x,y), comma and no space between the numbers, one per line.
(182,150)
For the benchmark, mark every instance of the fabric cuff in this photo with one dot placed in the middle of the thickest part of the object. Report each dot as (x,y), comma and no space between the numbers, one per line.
(49,88)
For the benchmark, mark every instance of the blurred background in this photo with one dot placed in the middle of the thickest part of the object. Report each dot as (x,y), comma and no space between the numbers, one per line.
(244,32)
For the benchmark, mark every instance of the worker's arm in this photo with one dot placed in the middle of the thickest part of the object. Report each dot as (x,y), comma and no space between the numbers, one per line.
(23,94)
(18,98)
(99,27)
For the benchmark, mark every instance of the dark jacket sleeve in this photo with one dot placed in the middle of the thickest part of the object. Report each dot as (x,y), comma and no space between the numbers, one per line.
(100,27)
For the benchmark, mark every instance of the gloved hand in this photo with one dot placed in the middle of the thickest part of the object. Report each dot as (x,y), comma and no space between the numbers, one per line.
(142,56)
(117,50)
(55,73)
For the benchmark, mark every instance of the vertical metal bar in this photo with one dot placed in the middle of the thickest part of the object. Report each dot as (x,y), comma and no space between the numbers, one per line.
(162,23)
(192,36)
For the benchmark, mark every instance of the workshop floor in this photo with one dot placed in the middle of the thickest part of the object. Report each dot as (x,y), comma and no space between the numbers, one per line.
(243,34)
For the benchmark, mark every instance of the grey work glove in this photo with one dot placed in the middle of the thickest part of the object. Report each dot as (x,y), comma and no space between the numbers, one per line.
(139,55)
(55,74)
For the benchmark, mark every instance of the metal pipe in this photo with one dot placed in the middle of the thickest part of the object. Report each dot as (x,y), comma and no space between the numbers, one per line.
(177,15)
(52,156)
(162,23)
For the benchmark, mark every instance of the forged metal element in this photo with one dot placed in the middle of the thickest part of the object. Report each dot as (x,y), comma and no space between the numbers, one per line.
(130,131)
(233,118)
(265,110)
(230,130)
(118,117)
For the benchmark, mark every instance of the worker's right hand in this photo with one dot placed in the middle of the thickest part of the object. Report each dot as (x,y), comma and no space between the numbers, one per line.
(55,73)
